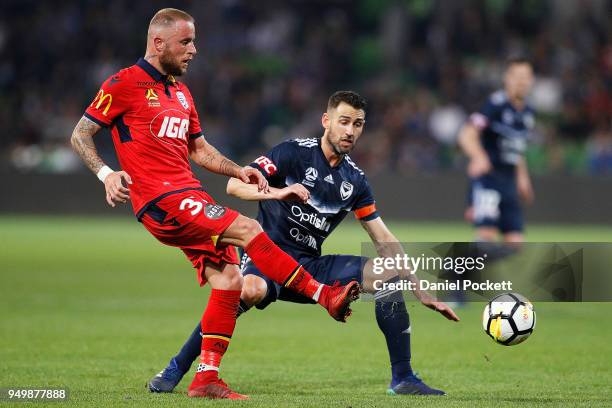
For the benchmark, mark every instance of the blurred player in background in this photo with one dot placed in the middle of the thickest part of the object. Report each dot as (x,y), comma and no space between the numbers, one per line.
(494,140)
(314,185)
(155,130)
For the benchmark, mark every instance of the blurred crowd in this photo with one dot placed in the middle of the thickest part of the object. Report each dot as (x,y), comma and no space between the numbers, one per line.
(265,69)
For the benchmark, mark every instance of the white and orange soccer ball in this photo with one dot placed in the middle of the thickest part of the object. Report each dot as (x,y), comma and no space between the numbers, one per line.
(509,319)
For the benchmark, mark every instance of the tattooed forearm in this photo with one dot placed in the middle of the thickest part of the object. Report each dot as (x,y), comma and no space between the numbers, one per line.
(82,143)
(211,159)
(207,160)
(228,167)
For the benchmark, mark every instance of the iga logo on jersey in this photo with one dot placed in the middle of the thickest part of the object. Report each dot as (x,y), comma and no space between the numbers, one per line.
(346,189)
(181,98)
(170,124)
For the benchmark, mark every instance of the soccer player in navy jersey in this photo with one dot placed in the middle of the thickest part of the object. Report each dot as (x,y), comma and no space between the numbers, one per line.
(156,130)
(495,139)
(314,184)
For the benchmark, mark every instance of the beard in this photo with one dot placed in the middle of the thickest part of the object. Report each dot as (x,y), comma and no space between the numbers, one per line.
(338,149)
(170,66)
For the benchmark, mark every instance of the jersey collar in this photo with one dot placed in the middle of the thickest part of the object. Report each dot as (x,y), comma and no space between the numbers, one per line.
(154,73)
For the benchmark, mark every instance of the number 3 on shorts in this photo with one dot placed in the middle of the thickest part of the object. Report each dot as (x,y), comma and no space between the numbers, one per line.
(194,206)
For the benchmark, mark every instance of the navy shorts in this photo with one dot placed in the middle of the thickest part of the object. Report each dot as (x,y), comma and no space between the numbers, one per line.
(327,269)
(496,203)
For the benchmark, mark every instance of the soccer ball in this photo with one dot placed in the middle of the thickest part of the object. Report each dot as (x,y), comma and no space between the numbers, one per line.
(509,319)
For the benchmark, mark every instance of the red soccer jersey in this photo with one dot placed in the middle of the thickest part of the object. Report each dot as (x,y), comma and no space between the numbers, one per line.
(152,117)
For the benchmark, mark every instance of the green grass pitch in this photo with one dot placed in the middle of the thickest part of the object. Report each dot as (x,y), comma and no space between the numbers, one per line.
(98,306)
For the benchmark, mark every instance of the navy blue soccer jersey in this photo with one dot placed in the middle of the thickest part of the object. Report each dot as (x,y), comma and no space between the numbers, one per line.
(504,131)
(334,192)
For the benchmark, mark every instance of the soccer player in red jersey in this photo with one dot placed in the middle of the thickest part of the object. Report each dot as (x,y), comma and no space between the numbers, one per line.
(155,130)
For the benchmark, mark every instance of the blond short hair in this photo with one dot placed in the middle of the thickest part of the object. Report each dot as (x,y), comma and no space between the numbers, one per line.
(168,16)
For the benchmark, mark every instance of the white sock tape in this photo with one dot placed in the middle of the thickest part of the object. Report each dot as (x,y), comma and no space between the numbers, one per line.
(317,294)
(206,367)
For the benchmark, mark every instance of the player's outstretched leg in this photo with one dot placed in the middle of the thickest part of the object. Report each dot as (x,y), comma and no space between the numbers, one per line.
(393,320)
(284,270)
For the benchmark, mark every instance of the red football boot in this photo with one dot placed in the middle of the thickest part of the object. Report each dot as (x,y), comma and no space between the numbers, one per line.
(212,387)
(336,299)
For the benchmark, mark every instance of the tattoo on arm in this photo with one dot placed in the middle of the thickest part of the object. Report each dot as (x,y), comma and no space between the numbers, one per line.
(82,143)
(228,167)
(214,161)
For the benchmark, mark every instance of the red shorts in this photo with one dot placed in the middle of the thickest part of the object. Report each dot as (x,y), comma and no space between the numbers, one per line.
(193,222)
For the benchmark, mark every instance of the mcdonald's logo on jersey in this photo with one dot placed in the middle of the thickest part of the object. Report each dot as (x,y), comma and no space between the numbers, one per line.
(102,98)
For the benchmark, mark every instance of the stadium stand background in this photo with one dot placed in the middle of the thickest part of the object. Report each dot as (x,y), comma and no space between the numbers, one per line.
(265,69)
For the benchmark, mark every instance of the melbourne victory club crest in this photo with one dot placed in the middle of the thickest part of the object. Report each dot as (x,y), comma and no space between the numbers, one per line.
(181,98)
(346,189)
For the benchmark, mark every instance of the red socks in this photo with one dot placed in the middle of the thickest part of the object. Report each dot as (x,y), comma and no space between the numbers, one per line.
(218,324)
(281,268)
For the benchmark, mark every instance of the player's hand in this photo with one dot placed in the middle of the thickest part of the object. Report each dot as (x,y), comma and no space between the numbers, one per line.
(249,175)
(294,192)
(445,310)
(478,166)
(525,190)
(116,185)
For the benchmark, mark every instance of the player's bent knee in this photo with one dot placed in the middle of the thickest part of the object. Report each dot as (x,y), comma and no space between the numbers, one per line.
(235,282)
(227,283)
(254,290)
(241,232)
(249,229)
(226,278)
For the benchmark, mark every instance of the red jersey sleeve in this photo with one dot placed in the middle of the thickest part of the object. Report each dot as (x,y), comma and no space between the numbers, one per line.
(110,101)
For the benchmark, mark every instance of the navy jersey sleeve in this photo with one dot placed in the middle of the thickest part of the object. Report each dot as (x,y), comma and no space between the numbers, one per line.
(485,114)
(365,205)
(273,165)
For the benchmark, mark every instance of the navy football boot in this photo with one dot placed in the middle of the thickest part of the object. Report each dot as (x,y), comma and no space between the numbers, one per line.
(413,385)
(167,379)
